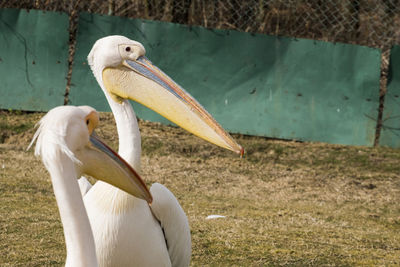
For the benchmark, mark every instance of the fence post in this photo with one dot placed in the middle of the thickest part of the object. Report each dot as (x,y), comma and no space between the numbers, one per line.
(385,60)
(73,13)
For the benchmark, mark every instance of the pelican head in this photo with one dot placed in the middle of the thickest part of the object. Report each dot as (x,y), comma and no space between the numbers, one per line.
(69,130)
(123,71)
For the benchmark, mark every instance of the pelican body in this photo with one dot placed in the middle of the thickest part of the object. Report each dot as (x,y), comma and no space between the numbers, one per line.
(127,231)
(68,148)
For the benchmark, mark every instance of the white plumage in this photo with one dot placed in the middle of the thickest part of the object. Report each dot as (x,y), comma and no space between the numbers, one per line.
(60,132)
(127,231)
(68,149)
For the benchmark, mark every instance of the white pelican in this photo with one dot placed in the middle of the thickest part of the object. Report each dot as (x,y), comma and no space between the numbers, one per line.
(68,149)
(127,231)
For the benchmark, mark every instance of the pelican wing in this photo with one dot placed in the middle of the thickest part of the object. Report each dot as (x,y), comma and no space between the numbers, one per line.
(175,224)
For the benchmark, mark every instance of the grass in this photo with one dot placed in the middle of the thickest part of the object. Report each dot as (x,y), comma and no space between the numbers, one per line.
(7,129)
(286,203)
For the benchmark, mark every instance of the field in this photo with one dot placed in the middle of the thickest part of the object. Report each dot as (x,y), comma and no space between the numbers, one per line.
(285,202)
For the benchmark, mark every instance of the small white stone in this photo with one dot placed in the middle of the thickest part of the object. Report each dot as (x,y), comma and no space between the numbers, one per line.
(210,217)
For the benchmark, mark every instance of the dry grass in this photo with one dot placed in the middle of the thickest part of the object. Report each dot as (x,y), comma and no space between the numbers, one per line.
(287,203)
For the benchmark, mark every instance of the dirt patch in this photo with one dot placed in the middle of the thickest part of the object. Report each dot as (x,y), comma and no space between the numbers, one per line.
(286,203)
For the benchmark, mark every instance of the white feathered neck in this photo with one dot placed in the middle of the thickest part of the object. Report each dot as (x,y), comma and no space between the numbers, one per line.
(60,162)
(125,119)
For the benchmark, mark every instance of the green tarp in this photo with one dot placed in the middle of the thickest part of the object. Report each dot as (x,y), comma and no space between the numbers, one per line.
(252,84)
(33,59)
(390,134)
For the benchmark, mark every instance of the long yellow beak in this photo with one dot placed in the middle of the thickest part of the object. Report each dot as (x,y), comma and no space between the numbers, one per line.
(101,162)
(143,82)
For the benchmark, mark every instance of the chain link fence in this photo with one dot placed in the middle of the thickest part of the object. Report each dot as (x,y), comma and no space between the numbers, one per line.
(373,23)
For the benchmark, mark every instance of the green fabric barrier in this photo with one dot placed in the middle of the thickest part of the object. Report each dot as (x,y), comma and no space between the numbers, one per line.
(33,59)
(252,84)
(390,133)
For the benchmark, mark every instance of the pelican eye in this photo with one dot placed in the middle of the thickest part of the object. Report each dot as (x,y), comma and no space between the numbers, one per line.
(128,48)
(87,122)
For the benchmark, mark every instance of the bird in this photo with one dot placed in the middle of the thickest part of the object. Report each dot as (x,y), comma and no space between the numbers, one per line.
(68,147)
(124,226)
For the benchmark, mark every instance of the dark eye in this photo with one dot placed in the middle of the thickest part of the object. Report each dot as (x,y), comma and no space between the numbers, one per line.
(87,122)
(128,48)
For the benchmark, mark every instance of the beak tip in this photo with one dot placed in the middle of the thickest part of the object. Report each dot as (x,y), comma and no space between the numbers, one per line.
(241,151)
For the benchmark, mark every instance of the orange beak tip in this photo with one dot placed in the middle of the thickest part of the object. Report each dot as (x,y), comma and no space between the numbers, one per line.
(241,152)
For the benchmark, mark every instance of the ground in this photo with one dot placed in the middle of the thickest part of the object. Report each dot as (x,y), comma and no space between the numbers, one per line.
(285,202)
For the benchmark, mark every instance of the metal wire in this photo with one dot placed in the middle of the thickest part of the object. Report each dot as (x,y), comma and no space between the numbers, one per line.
(374,23)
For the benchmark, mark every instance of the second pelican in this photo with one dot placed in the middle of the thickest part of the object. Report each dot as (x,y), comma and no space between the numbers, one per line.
(68,148)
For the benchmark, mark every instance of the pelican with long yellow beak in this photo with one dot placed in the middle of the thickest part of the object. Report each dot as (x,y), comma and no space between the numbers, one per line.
(68,148)
(127,231)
